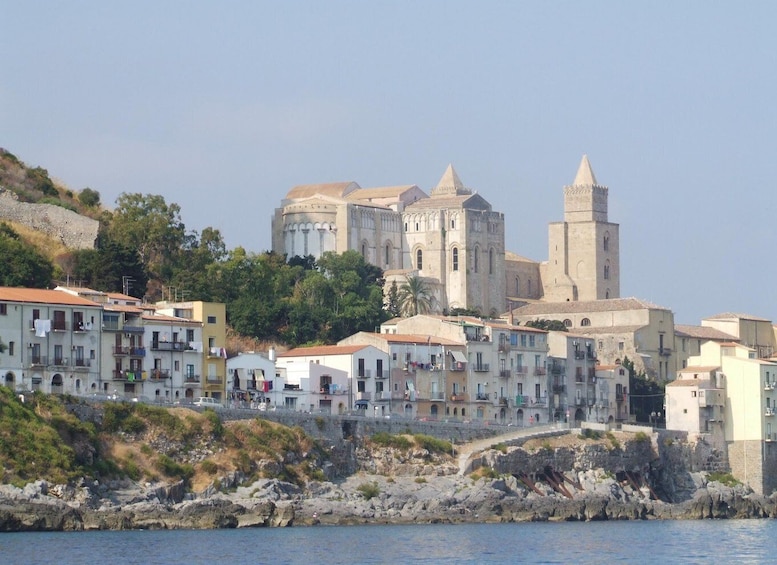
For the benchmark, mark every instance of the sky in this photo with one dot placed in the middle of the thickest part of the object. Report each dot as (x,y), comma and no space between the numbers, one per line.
(222,107)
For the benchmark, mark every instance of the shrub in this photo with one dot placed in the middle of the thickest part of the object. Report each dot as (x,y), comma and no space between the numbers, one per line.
(209,467)
(501,447)
(320,423)
(174,469)
(369,490)
(432,444)
(726,479)
(641,437)
(614,443)
(387,440)
(420,480)
(89,198)
(546,446)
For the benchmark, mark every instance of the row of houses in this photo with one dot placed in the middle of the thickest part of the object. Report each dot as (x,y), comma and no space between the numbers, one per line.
(88,343)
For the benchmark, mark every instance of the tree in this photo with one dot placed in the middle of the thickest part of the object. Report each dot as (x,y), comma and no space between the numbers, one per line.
(392,301)
(645,396)
(152,227)
(89,198)
(21,264)
(415,296)
(548,325)
(105,267)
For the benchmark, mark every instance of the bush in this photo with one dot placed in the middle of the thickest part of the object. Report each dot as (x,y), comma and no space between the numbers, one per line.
(174,469)
(641,437)
(369,490)
(502,448)
(89,198)
(614,443)
(420,480)
(726,479)
(209,467)
(387,440)
(432,444)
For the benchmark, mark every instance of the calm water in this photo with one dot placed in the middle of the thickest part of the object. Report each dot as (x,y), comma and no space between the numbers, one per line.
(740,541)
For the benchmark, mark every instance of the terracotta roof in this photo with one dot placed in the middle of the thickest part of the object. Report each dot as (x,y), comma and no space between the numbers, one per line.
(337,189)
(123,308)
(417,339)
(734,315)
(702,332)
(380,192)
(699,369)
(43,296)
(322,350)
(589,331)
(510,256)
(581,307)
(120,296)
(685,382)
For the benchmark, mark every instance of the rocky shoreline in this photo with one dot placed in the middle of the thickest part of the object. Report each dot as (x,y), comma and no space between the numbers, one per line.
(397,500)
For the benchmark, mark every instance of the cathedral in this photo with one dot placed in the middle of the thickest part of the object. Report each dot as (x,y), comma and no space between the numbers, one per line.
(453,239)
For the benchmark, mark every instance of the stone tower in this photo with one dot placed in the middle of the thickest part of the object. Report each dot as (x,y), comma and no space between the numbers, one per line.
(584,257)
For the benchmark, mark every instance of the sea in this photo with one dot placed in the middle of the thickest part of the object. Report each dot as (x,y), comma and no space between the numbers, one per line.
(650,542)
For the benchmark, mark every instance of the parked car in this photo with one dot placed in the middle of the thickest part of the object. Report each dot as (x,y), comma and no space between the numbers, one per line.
(208,402)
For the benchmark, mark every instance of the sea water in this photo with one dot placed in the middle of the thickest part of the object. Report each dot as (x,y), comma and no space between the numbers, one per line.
(654,542)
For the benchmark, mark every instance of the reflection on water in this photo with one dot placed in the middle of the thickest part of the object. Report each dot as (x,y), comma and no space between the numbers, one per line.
(741,541)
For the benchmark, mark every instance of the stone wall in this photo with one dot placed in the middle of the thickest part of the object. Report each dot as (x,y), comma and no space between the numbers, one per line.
(754,463)
(73,230)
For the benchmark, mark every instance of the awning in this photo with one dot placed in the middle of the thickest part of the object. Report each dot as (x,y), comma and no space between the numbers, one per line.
(458,356)
(362,404)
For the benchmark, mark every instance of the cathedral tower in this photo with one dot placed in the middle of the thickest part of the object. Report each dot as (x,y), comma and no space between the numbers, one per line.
(584,256)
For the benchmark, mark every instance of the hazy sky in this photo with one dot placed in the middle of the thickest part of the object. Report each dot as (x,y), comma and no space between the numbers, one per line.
(221,107)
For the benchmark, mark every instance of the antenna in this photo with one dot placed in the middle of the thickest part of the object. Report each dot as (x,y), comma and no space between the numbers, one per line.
(126,284)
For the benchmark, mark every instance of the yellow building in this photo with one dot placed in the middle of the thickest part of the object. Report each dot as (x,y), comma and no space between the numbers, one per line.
(213,316)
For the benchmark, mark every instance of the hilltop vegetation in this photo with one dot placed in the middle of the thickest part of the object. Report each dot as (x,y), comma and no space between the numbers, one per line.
(39,439)
(299,301)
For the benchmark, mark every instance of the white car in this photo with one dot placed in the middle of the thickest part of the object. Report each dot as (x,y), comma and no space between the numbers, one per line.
(208,402)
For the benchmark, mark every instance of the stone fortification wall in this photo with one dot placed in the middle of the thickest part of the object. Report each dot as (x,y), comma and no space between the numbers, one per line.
(73,230)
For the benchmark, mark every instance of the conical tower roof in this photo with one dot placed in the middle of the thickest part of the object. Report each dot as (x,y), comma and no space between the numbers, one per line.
(585,174)
(450,184)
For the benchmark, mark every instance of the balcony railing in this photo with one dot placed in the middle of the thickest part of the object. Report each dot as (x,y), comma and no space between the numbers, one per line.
(769,386)
(504,346)
(192,378)
(521,401)
(620,397)
(769,411)
(436,395)
(363,396)
(556,369)
(482,368)
(159,374)
(382,395)
(522,369)
(559,389)
(482,396)
(540,371)
(579,354)
(664,351)
(460,397)
(128,376)
(503,401)
(540,401)
(61,361)
(505,373)
(381,374)
(39,360)
(137,352)
(169,346)
(82,363)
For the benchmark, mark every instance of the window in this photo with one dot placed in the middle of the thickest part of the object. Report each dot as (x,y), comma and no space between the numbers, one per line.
(453,224)
(361,386)
(607,293)
(607,270)
(3,309)
(11,347)
(517,286)
(361,367)
(455,259)
(475,255)
(585,322)
(211,319)
(387,257)
(523,340)
(419,259)
(490,261)
(531,341)
(567,323)
(606,241)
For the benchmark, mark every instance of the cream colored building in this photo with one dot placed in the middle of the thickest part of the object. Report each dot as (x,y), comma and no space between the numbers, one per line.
(620,327)
(748,411)
(455,241)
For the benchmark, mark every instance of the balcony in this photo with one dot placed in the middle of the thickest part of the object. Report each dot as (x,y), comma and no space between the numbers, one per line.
(601,403)
(214,380)
(381,374)
(504,346)
(363,396)
(556,369)
(482,368)
(169,346)
(559,389)
(664,351)
(591,355)
(127,376)
(61,361)
(120,350)
(620,397)
(503,401)
(482,396)
(82,363)
(505,373)
(540,371)
(59,326)
(159,374)
(39,360)
(457,367)
(382,395)
(541,401)
(522,369)
(769,411)
(579,401)
(769,386)
(579,355)
(460,397)
(520,401)
(191,379)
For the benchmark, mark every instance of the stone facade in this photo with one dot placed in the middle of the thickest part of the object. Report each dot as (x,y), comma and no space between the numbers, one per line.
(455,241)
(72,229)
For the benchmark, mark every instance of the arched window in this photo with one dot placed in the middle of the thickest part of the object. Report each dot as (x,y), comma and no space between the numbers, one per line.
(490,261)
(607,270)
(453,224)
(517,286)
(567,323)
(475,255)
(606,241)
(585,322)
(387,257)
(364,250)
(455,259)
(419,259)
(607,293)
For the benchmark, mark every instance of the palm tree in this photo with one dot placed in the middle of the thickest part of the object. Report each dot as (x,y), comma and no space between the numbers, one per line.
(415,296)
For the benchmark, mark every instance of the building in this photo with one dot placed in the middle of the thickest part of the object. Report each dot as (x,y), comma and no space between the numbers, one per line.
(52,341)
(308,387)
(455,241)
(745,416)
(250,378)
(621,327)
